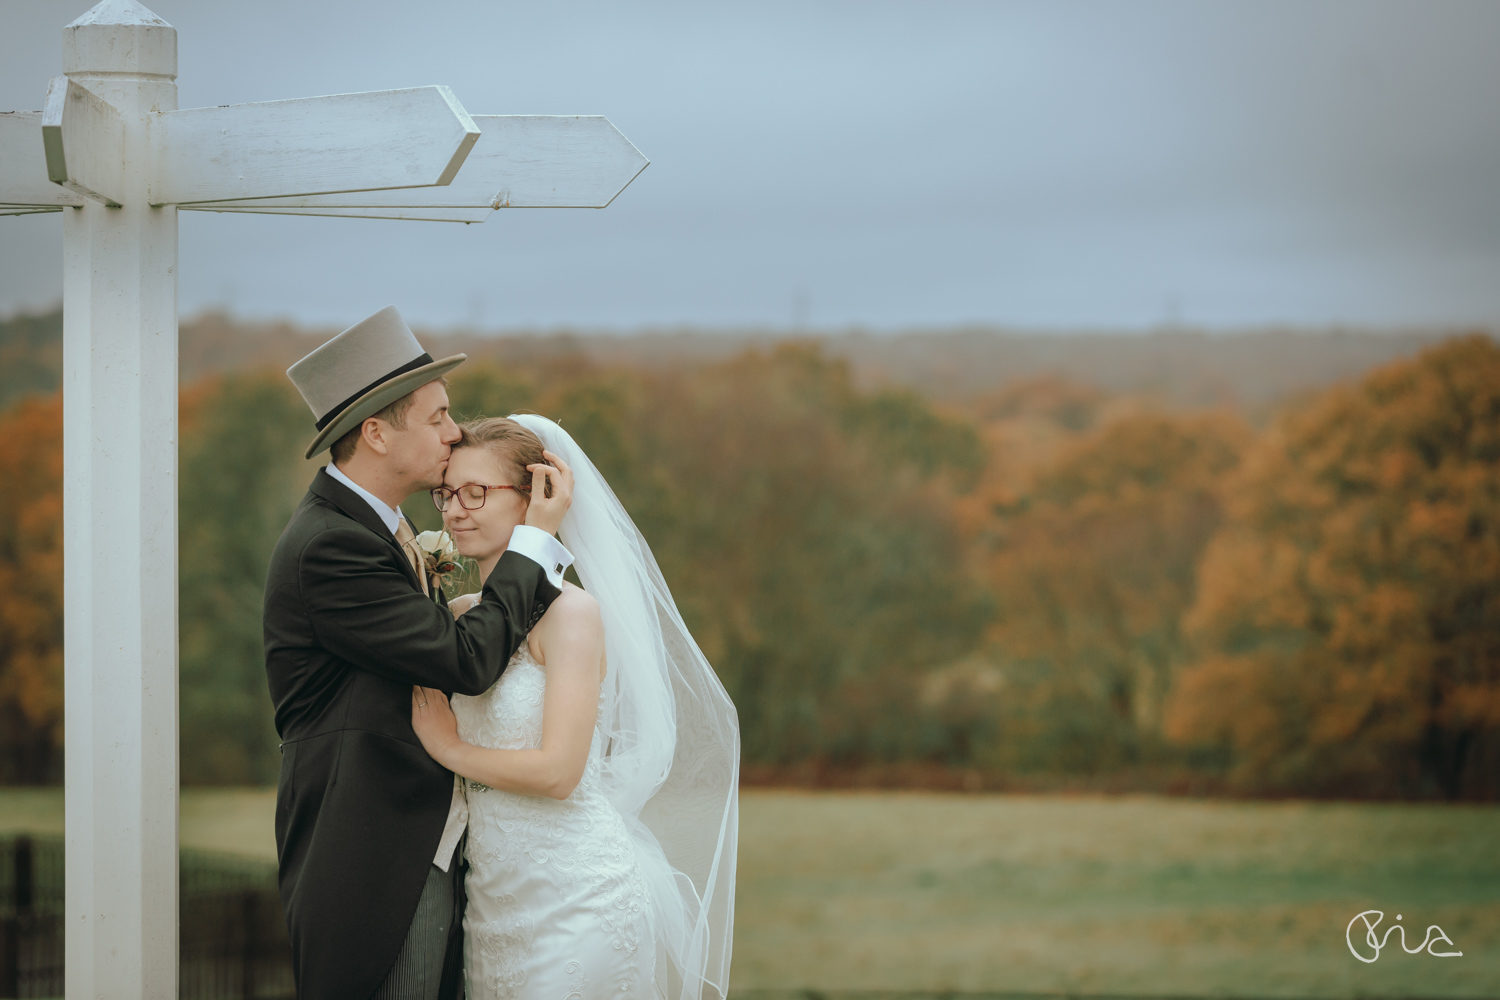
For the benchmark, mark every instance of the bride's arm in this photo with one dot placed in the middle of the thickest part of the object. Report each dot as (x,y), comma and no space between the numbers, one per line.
(573,647)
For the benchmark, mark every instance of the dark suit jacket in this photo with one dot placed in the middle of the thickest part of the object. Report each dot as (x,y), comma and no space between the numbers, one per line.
(360,806)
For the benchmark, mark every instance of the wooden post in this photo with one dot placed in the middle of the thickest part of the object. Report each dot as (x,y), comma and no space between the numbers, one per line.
(113,154)
(120,530)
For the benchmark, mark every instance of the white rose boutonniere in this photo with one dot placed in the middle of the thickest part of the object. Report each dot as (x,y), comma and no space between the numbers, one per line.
(439,554)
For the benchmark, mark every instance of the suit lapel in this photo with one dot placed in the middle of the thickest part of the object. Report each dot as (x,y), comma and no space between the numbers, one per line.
(353,506)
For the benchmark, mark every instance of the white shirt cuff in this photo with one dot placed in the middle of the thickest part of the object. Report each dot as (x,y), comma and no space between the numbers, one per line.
(542,549)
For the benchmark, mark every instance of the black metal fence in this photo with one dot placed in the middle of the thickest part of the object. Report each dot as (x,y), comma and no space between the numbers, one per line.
(233,937)
(31,917)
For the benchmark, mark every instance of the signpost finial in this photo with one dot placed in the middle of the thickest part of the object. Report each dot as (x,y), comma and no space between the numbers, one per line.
(118,12)
(120,36)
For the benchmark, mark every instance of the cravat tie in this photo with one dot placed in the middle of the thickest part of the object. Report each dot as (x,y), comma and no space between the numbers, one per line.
(407,539)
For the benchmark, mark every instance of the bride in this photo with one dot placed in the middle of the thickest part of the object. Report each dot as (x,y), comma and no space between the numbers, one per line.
(601,770)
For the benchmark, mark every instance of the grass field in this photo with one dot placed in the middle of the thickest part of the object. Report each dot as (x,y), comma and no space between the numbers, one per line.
(1052,894)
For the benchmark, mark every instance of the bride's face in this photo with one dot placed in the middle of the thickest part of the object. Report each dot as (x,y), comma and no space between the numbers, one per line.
(484,533)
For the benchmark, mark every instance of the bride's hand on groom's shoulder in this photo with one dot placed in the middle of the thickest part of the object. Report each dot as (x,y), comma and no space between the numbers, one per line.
(433,721)
(549,503)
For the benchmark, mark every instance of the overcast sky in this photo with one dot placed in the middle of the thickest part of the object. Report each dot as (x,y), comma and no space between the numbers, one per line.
(1112,164)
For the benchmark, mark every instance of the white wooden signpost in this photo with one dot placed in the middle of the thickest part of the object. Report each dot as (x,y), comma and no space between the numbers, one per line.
(111,151)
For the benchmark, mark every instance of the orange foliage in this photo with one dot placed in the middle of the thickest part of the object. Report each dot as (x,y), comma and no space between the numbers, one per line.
(1348,615)
(31,579)
(1091,567)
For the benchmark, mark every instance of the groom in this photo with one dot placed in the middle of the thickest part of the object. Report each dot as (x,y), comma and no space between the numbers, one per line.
(366,823)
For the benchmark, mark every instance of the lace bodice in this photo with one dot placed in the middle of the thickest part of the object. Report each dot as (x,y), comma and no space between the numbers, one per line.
(557,905)
(509,715)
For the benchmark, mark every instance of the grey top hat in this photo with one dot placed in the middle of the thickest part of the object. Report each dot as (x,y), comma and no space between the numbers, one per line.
(362,371)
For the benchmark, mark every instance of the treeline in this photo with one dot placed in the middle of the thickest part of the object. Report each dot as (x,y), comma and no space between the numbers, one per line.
(1310,608)
(1052,583)
(1250,369)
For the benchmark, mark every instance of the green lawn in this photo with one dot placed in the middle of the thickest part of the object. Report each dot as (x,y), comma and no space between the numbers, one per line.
(1048,894)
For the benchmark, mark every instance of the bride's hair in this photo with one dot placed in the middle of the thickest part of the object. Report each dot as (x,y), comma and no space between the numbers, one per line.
(514,445)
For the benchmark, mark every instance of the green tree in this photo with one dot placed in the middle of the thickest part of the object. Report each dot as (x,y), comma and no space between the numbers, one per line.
(810,544)
(805,527)
(30,356)
(242,475)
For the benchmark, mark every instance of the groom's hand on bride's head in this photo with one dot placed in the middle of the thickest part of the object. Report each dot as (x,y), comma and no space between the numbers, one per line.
(551,493)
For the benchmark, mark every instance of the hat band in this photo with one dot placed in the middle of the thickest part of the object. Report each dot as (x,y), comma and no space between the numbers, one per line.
(331,415)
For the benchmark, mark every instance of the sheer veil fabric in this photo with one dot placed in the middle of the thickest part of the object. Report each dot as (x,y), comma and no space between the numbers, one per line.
(672,755)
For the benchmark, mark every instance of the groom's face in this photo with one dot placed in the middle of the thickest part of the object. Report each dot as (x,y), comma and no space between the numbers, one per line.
(420,451)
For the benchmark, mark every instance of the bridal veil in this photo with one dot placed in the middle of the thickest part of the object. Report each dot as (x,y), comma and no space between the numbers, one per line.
(672,757)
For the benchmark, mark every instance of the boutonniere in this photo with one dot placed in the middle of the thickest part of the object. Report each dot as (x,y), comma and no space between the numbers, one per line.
(439,555)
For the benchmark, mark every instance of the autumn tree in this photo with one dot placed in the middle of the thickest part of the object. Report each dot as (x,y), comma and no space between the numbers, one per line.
(1091,567)
(1348,613)
(31,591)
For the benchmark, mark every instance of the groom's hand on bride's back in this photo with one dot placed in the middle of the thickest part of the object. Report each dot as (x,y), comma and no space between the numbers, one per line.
(551,493)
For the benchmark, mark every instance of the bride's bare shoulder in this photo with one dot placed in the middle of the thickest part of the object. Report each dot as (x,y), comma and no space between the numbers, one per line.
(572,617)
(574,613)
(574,605)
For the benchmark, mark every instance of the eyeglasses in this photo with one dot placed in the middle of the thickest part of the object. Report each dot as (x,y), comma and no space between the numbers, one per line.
(470,495)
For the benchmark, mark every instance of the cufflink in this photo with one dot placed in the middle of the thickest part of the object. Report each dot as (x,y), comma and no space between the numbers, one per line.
(558,567)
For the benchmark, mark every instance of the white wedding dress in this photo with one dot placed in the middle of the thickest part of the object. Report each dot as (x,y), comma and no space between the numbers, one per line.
(626,887)
(558,907)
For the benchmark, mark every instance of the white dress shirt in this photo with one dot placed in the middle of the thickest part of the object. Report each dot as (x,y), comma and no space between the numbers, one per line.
(533,543)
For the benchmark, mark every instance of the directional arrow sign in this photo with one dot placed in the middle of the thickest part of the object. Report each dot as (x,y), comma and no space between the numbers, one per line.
(346,142)
(23,167)
(520,161)
(397,212)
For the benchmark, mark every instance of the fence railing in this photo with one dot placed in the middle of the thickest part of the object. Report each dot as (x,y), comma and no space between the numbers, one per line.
(233,936)
(233,942)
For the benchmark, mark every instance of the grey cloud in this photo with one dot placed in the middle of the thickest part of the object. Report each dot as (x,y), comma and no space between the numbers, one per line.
(1047,164)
